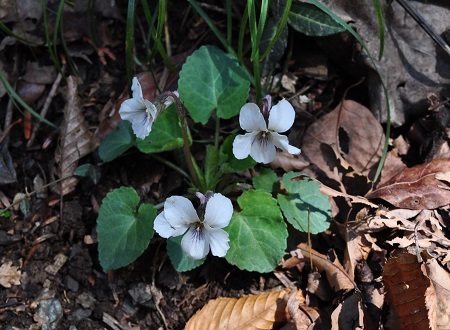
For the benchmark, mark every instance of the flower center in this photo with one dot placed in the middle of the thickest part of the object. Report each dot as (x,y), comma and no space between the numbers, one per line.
(263,138)
(197,234)
(198,225)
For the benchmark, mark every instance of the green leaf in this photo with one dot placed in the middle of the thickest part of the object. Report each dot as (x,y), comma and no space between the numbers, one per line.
(276,53)
(232,164)
(165,135)
(117,142)
(211,79)
(178,257)
(304,197)
(257,234)
(267,180)
(213,160)
(5,213)
(89,171)
(310,20)
(123,232)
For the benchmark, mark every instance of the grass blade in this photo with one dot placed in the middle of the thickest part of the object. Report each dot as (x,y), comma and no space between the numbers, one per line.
(283,22)
(221,38)
(12,93)
(129,42)
(12,34)
(379,12)
(51,49)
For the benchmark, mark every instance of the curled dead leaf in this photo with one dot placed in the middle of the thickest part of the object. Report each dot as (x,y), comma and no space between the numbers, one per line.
(418,187)
(76,140)
(336,274)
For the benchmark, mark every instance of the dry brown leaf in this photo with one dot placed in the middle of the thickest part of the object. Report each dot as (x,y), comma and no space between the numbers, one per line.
(76,140)
(319,287)
(348,124)
(289,162)
(437,296)
(354,199)
(417,187)
(405,293)
(392,165)
(357,249)
(9,275)
(336,275)
(303,316)
(261,311)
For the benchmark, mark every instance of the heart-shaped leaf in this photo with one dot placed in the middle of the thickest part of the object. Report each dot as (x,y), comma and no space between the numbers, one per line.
(257,234)
(211,79)
(304,201)
(117,142)
(267,180)
(123,232)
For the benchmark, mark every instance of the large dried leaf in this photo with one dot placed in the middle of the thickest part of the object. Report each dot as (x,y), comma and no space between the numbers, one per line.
(349,135)
(263,311)
(405,293)
(76,140)
(416,188)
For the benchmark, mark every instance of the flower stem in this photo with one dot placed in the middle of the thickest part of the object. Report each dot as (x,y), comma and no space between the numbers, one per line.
(171,165)
(184,130)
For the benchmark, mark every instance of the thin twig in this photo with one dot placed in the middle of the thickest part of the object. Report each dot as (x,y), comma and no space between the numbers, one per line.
(46,106)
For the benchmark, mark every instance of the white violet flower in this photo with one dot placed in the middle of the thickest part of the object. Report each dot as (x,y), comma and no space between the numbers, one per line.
(263,131)
(203,230)
(141,112)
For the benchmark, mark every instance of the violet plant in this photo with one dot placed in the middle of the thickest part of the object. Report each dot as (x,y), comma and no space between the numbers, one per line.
(249,231)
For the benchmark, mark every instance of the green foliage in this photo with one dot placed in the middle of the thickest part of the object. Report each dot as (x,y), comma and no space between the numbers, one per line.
(89,171)
(124,231)
(179,259)
(312,21)
(165,135)
(257,234)
(211,79)
(129,41)
(274,49)
(117,142)
(267,180)
(212,173)
(304,200)
(5,213)
(231,164)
